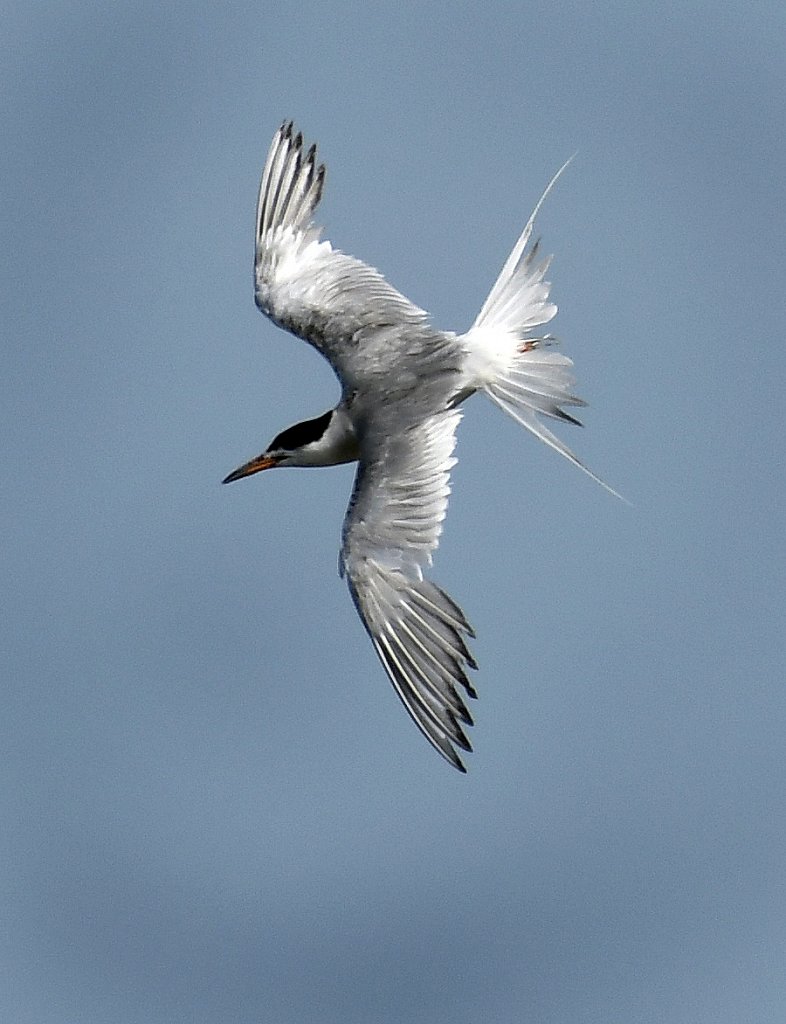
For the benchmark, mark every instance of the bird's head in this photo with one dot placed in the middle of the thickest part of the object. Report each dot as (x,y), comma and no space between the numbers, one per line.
(328,440)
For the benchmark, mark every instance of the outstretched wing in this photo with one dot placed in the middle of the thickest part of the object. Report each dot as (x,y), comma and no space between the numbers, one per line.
(303,284)
(392,526)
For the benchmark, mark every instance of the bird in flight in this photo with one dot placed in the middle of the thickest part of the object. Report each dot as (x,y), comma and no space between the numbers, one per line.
(402,385)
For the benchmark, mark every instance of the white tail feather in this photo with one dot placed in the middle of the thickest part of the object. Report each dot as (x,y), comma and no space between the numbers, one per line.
(527,418)
(519,292)
(512,365)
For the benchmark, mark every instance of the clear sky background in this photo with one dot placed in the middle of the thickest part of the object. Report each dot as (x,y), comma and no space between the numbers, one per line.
(213,807)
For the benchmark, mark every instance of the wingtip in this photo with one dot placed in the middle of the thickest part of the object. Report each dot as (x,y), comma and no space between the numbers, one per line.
(459,737)
(454,761)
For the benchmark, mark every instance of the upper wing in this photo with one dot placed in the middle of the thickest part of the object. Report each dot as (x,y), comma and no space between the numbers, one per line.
(304,284)
(392,526)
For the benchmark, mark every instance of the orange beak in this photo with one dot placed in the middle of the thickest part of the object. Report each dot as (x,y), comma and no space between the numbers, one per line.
(254,466)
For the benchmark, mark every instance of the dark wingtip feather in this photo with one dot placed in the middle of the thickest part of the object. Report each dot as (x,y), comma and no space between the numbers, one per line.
(320,182)
(567,418)
(458,737)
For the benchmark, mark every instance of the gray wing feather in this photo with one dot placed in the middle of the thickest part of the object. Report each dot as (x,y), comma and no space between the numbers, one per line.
(305,285)
(393,525)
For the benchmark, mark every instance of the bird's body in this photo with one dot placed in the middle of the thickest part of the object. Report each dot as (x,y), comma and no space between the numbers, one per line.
(402,383)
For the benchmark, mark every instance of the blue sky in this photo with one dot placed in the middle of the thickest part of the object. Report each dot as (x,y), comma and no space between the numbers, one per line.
(214,808)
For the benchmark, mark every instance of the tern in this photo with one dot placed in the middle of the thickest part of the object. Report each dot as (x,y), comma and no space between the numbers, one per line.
(402,385)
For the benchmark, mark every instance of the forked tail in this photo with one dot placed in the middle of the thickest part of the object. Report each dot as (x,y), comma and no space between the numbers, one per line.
(510,361)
